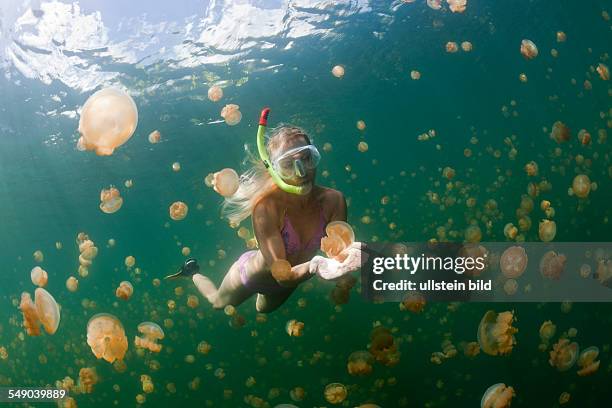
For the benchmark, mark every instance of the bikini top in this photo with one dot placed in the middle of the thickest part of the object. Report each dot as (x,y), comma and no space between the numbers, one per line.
(292,239)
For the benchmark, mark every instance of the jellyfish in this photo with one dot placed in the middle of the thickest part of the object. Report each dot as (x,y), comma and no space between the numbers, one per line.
(581,186)
(340,235)
(473,234)
(226,182)
(603,71)
(30,315)
(111,200)
(564,355)
(561,37)
(510,231)
(523,77)
(604,272)
(335,393)
(338,71)
(586,361)
(178,210)
(106,337)
(108,120)
(448,173)
(547,331)
(415,302)
(297,394)
(360,363)
(496,333)
(215,93)
(72,284)
(560,133)
(451,47)
(87,379)
(231,114)
(125,290)
(466,46)
(552,265)
(531,168)
(39,276)
(435,4)
(281,270)
(547,230)
(529,49)
(294,328)
(47,310)
(151,333)
(154,137)
(415,75)
(38,256)
(513,262)
(383,346)
(497,396)
(362,147)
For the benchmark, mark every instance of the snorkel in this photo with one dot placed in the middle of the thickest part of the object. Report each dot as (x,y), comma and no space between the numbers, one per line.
(263,154)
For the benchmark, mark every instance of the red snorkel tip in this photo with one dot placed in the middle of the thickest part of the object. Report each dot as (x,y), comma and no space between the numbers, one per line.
(263,118)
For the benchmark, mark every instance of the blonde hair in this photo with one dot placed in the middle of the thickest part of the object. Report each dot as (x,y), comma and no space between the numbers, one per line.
(256,182)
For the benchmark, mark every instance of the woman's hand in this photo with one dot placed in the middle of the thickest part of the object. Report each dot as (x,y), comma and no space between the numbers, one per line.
(328,269)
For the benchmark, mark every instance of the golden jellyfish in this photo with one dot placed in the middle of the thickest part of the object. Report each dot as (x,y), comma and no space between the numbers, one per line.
(226,182)
(47,310)
(340,235)
(451,47)
(510,231)
(415,302)
(457,6)
(38,256)
(39,276)
(106,337)
(529,49)
(360,363)
(581,186)
(154,137)
(473,234)
(466,46)
(178,210)
(335,393)
(513,262)
(362,147)
(586,361)
(531,168)
(564,398)
(560,133)
(151,333)
(30,315)
(215,93)
(297,394)
(564,355)
(193,301)
(523,77)
(125,290)
(176,166)
(361,125)
(111,200)
(547,331)
(231,114)
(496,333)
(87,379)
(383,346)
(204,347)
(584,137)
(294,328)
(186,251)
(338,71)
(435,4)
(281,270)
(561,37)
(415,75)
(547,230)
(130,261)
(497,396)
(72,284)
(108,119)
(552,265)
(603,71)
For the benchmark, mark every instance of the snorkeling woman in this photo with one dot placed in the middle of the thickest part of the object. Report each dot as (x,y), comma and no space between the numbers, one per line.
(289,214)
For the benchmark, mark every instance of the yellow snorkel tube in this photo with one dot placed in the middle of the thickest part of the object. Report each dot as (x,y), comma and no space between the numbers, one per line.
(263,154)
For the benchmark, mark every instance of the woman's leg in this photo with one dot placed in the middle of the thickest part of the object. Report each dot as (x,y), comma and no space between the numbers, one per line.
(231,292)
(269,303)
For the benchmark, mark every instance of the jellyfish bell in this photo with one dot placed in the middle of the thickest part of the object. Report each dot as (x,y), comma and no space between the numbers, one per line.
(125,290)
(552,265)
(335,393)
(513,262)
(586,361)
(106,337)
(215,93)
(528,49)
(547,230)
(338,71)
(340,235)
(226,182)
(496,333)
(151,333)
(564,355)
(47,310)
(39,276)
(603,71)
(154,137)
(581,186)
(108,119)
(360,363)
(111,200)
(497,396)
(547,331)
(72,284)
(231,114)
(560,133)
(178,210)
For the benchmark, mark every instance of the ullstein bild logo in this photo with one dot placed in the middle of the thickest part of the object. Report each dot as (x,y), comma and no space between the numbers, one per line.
(489,272)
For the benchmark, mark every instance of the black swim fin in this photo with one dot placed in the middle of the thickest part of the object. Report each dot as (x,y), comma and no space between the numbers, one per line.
(189,268)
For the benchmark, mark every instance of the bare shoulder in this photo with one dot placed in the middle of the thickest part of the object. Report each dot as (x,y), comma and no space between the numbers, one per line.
(333,201)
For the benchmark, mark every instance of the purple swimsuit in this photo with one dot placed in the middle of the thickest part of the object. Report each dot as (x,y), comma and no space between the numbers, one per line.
(292,246)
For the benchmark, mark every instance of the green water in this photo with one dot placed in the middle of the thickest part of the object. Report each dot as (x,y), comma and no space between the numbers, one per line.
(49,191)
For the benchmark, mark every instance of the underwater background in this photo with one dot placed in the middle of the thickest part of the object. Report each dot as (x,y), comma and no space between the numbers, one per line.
(280,54)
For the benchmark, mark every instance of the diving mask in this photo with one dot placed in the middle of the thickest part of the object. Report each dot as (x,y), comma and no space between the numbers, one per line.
(295,163)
